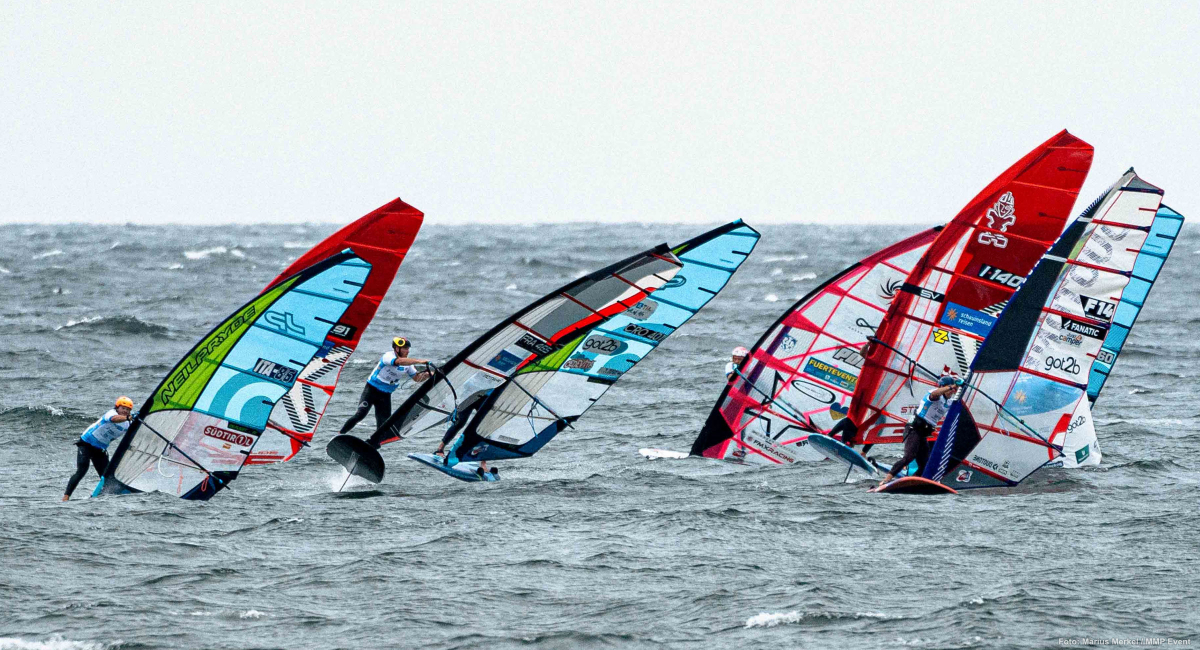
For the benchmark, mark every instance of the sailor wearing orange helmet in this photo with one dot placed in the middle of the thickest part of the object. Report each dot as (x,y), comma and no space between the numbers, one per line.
(93,444)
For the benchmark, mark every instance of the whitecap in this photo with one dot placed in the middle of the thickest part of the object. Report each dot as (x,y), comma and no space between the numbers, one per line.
(4,270)
(174,267)
(83,321)
(777,271)
(251,613)
(199,255)
(48,254)
(804,276)
(237,253)
(298,244)
(511,287)
(770,297)
(771,620)
(200,613)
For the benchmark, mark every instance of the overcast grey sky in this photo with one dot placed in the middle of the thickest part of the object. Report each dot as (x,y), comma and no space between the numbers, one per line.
(515,112)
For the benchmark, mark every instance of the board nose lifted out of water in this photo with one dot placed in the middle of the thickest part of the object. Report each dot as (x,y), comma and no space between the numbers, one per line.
(357,456)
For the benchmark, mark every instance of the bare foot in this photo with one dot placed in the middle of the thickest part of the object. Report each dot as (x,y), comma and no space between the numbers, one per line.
(66,497)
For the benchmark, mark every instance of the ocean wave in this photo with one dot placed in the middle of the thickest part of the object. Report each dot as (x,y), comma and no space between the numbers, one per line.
(55,642)
(298,244)
(42,417)
(770,297)
(199,255)
(54,253)
(803,277)
(766,619)
(118,325)
(4,270)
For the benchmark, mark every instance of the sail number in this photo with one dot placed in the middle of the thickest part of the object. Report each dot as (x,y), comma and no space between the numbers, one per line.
(1000,276)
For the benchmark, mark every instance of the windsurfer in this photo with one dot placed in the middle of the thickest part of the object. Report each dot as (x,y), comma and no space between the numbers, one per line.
(93,444)
(738,355)
(464,415)
(922,425)
(393,367)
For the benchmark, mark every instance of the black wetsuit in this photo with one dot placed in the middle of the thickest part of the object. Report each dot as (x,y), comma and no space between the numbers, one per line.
(85,454)
(916,446)
(371,396)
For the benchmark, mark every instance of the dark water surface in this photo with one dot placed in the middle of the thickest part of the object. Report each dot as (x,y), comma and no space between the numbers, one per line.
(586,544)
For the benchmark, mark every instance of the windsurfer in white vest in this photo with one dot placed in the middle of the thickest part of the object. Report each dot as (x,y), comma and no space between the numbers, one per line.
(393,367)
(916,433)
(736,358)
(92,446)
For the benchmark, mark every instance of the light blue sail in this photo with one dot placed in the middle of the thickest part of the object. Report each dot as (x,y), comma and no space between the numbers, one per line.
(1163,232)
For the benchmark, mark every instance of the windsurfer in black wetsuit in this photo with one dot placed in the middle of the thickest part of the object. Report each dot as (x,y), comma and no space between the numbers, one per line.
(922,425)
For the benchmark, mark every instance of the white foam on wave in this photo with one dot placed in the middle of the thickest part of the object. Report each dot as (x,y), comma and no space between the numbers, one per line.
(298,244)
(511,287)
(770,297)
(777,271)
(237,253)
(52,253)
(174,267)
(4,270)
(771,620)
(55,642)
(251,613)
(199,255)
(804,276)
(766,619)
(84,321)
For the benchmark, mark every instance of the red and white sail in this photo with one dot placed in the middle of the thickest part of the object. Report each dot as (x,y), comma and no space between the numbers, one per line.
(948,304)
(800,375)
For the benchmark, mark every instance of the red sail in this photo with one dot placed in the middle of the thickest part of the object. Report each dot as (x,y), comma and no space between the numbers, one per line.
(382,238)
(952,298)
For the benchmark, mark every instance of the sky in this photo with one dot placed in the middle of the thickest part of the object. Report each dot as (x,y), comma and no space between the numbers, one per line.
(525,112)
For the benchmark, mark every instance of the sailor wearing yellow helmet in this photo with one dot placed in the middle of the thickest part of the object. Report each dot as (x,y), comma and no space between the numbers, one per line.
(92,446)
(393,367)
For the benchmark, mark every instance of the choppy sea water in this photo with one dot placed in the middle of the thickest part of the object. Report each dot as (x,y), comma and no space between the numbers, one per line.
(587,544)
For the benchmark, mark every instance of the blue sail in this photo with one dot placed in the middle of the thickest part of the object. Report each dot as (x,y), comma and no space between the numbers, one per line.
(560,387)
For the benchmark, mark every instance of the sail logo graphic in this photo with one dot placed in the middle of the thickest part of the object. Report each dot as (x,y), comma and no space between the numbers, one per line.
(677,281)
(1098,309)
(888,291)
(967,319)
(273,370)
(1000,216)
(964,476)
(284,321)
(238,439)
(1106,357)
(1084,329)
(643,310)
(176,381)
(830,374)
(1064,363)
(940,336)
(849,356)
(927,294)
(603,345)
